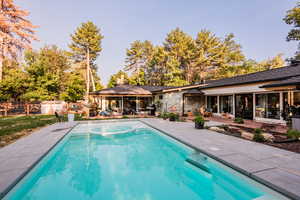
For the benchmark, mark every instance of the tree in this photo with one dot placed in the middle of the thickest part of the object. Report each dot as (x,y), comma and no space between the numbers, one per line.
(138,57)
(120,77)
(46,71)
(16,32)
(293,18)
(251,66)
(14,83)
(86,44)
(181,47)
(74,88)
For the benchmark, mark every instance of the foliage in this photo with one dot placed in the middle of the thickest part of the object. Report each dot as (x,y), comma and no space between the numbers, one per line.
(239,120)
(119,78)
(293,18)
(87,37)
(258,130)
(199,120)
(74,88)
(14,84)
(46,71)
(258,137)
(293,134)
(173,116)
(183,60)
(16,32)
(165,115)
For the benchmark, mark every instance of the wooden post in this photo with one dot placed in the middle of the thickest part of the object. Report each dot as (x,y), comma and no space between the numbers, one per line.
(27,108)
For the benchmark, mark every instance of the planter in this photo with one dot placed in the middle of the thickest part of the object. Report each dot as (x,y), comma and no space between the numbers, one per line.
(70,117)
(199,125)
(171,119)
(296,123)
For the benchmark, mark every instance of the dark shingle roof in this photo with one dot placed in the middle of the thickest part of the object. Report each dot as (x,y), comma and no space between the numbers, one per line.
(123,90)
(268,75)
(287,82)
(130,90)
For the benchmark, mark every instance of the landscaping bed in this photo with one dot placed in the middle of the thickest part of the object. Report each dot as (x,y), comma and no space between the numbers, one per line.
(279,140)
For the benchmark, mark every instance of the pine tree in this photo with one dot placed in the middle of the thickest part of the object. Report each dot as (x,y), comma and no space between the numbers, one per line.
(16,32)
(86,44)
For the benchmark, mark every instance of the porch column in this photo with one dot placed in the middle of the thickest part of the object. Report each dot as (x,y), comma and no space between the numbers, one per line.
(254,105)
(218,103)
(281,104)
(122,104)
(137,104)
(233,105)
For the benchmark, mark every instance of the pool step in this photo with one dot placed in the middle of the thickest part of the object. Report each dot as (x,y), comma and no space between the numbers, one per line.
(264,197)
(198,161)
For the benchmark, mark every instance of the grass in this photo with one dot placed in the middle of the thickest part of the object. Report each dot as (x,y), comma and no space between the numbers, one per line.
(11,125)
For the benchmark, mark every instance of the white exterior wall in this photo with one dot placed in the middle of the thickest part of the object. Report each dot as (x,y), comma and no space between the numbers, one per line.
(172,102)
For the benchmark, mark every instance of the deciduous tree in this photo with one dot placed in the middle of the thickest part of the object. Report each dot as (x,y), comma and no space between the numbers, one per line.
(16,32)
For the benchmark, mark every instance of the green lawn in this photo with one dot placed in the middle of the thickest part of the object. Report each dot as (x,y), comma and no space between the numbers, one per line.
(11,125)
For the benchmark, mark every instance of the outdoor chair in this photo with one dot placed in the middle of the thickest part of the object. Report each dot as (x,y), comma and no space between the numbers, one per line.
(59,117)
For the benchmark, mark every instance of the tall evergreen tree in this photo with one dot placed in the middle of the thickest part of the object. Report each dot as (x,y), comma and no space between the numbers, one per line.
(86,44)
(16,32)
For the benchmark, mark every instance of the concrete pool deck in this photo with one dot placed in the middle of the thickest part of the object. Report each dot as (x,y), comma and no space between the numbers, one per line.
(275,167)
(19,157)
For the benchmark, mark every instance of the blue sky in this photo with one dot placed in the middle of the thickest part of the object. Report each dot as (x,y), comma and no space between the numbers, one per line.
(257,24)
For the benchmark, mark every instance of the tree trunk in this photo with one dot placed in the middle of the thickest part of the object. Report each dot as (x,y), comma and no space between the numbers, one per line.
(93,81)
(87,75)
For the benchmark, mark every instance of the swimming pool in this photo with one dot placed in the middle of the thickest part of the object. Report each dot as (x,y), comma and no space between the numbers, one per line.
(131,161)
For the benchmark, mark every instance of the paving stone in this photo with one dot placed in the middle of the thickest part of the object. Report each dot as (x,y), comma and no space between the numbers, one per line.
(281,179)
(9,177)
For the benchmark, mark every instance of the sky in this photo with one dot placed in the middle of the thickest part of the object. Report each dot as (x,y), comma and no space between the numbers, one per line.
(257,24)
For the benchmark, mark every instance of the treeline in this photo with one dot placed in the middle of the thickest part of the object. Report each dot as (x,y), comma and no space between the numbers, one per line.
(182,60)
(51,73)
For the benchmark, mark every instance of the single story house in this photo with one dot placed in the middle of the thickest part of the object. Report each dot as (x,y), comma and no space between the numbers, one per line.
(262,96)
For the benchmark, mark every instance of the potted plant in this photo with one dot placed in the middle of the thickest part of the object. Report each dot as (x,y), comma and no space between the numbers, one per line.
(189,113)
(173,117)
(199,122)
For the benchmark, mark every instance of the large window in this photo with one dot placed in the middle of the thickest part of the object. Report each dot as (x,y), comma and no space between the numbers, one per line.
(268,106)
(226,104)
(212,104)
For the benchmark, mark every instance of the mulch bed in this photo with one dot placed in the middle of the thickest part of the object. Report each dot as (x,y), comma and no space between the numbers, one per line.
(290,146)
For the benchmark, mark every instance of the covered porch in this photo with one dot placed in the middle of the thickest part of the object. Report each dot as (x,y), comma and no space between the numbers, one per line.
(123,100)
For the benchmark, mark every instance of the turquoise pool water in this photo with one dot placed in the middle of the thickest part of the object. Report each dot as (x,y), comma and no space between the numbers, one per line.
(131,161)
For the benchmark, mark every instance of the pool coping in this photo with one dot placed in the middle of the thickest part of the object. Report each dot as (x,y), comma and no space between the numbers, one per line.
(234,167)
(25,171)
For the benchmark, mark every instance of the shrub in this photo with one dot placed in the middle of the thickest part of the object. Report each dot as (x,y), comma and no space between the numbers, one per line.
(293,134)
(258,137)
(165,115)
(199,120)
(239,120)
(173,116)
(125,117)
(258,130)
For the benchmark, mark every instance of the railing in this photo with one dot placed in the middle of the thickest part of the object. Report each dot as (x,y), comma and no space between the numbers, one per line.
(17,108)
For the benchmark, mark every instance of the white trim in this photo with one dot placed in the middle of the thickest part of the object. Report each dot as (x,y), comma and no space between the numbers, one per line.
(267,120)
